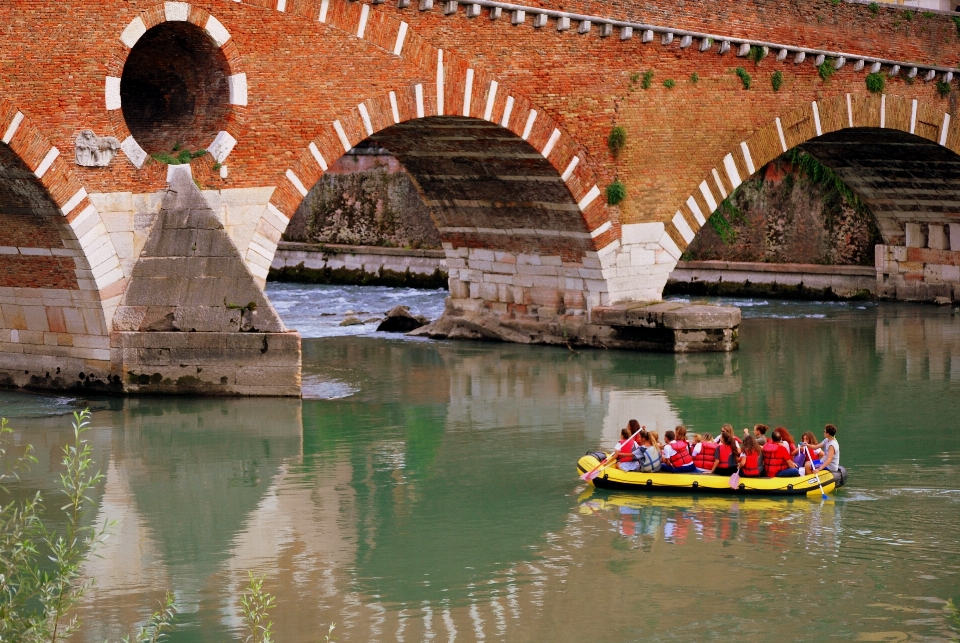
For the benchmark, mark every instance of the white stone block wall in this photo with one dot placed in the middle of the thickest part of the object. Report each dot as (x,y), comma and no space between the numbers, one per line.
(254,228)
(635,268)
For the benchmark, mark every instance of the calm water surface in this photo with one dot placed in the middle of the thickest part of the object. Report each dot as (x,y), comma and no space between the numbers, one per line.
(428,491)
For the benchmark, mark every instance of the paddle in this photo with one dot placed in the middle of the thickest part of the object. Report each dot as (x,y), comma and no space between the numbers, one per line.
(590,475)
(823,494)
(735,479)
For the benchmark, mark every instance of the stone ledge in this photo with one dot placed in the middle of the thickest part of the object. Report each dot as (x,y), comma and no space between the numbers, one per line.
(787,268)
(217,364)
(340,249)
(669,327)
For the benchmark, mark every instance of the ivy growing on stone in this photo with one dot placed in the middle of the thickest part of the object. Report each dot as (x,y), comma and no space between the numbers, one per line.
(616,192)
(777,80)
(694,78)
(943,88)
(876,82)
(757,54)
(669,83)
(744,77)
(874,8)
(956,22)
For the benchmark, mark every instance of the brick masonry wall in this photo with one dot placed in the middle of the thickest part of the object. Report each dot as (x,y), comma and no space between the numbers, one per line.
(298,98)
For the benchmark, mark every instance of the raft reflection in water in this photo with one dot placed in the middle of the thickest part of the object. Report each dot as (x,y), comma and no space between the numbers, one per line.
(675,519)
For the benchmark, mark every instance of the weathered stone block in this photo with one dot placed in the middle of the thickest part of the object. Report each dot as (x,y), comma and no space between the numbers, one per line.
(937,238)
(915,236)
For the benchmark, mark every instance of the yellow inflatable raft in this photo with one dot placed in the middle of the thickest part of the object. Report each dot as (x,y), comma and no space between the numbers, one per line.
(614,478)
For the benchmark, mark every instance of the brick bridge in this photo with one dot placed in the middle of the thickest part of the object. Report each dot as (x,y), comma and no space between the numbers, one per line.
(501,113)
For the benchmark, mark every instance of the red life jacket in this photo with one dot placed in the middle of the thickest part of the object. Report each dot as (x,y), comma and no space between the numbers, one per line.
(682,455)
(708,453)
(751,466)
(625,451)
(776,458)
(726,456)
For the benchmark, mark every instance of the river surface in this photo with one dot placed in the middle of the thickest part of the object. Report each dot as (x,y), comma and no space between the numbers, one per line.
(427,491)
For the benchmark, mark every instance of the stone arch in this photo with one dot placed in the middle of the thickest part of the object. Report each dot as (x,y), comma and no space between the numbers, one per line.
(177,13)
(570,240)
(61,280)
(832,129)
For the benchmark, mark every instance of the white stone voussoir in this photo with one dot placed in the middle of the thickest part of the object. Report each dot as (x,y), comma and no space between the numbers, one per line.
(176,11)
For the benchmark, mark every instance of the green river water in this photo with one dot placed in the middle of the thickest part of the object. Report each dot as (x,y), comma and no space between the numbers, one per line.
(430,492)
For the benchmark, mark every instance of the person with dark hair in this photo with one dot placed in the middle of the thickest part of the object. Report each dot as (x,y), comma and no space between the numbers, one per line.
(807,450)
(776,458)
(830,446)
(676,453)
(787,439)
(728,455)
(751,462)
(627,445)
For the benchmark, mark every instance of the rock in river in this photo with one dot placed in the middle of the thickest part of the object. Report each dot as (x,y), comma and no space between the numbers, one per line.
(399,320)
(351,320)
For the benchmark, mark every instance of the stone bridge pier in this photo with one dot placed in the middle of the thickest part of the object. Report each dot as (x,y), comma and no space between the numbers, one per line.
(120,272)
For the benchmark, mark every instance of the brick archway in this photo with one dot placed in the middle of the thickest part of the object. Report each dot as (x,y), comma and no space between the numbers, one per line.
(64,279)
(564,249)
(816,123)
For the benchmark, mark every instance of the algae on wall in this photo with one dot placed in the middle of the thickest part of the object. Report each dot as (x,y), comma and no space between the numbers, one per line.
(365,199)
(782,216)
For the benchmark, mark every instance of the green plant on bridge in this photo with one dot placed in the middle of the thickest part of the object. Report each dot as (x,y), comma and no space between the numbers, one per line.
(777,80)
(757,54)
(820,174)
(179,155)
(647,79)
(722,221)
(827,68)
(669,83)
(876,82)
(956,23)
(694,78)
(616,192)
(874,8)
(943,88)
(744,77)
(617,140)
(928,14)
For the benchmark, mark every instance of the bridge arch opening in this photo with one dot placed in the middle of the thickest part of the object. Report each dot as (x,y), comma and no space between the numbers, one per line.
(33,252)
(904,174)
(515,238)
(174,89)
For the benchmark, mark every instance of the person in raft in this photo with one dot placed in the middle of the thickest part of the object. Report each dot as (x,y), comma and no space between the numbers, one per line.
(807,450)
(626,446)
(676,453)
(751,460)
(830,446)
(759,432)
(776,458)
(705,453)
(644,456)
(728,455)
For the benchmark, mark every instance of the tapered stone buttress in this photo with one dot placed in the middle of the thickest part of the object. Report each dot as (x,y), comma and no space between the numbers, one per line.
(193,320)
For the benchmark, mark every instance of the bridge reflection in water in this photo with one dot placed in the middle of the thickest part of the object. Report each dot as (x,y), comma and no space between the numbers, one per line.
(438,501)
